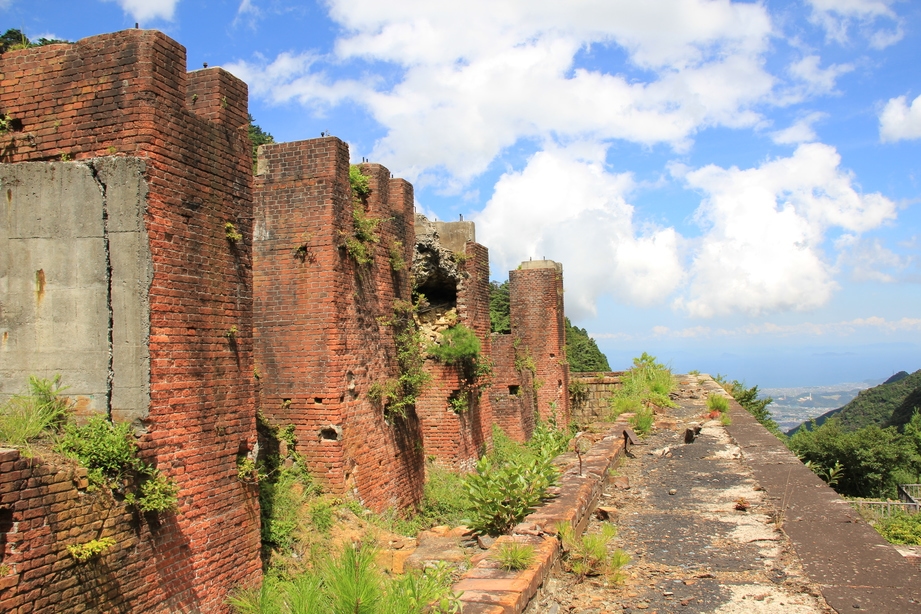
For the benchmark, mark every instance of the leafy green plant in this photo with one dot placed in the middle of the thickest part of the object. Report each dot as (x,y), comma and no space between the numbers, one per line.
(26,417)
(230,231)
(359,182)
(109,453)
(590,554)
(501,496)
(515,556)
(91,549)
(158,493)
(321,515)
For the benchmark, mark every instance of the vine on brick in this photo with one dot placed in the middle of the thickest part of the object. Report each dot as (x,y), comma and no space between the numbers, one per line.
(398,395)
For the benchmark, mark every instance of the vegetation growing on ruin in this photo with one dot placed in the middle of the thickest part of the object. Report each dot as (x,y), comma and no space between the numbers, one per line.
(14,39)
(91,549)
(515,556)
(398,395)
(351,582)
(37,413)
(110,454)
(513,479)
(589,555)
(647,384)
(365,229)
(108,451)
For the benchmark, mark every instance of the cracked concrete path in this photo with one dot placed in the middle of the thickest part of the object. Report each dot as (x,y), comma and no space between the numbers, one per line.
(692,549)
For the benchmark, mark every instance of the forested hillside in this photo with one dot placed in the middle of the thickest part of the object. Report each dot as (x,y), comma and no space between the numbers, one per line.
(889,404)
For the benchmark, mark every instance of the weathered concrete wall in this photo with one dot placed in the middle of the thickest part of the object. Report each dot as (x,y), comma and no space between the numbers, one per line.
(75,270)
(594,392)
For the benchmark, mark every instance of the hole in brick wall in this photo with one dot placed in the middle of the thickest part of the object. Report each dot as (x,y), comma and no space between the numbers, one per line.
(15,124)
(6,525)
(552,355)
(331,433)
(286,403)
(318,400)
(514,390)
(441,292)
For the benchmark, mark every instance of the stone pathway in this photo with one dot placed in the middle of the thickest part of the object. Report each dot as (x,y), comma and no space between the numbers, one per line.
(692,549)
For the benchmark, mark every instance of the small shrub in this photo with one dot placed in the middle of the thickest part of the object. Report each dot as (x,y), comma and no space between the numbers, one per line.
(717,402)
(397,261)
(158,493)
(458,346)
(91,549)
(578,392)
(501,496)
(515,556)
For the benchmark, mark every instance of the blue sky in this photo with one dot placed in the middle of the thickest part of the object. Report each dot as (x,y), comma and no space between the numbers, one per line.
(731,186)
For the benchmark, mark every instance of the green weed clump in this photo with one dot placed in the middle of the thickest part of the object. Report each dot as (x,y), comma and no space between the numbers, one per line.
(590,554)
(91,549)
(351,583)
(717,402)
(40,412)
(515,556)
(642,421)
(648,383)
(110,454)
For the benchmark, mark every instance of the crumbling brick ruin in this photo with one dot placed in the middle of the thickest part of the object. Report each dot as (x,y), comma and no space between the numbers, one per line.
(141,260)
(117,271)
(532,375)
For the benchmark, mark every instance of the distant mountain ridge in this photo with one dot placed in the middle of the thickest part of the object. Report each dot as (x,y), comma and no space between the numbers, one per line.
(892,403)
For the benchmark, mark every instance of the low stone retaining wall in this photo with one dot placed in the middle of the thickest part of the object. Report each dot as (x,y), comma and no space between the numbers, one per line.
(489,589)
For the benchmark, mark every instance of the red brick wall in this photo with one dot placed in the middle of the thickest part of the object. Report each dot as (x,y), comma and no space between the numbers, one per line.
(459,439)
(126,93)
(510,397)
(536,301)
(322,336)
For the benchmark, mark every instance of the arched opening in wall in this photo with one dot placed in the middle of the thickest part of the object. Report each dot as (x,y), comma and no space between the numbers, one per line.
(440,292)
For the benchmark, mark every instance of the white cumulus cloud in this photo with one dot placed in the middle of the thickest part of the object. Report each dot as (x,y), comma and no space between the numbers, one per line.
(838,17)
(799,132)
(147,10)
(765,229)
(899,121)
(565,206)
(479,76)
